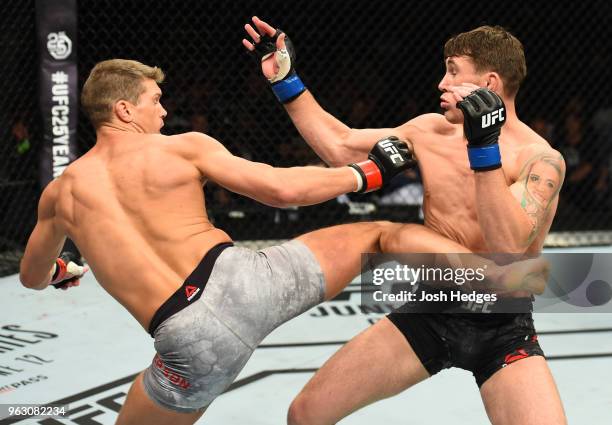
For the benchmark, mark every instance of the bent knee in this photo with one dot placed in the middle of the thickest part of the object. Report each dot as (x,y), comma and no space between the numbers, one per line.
(393,235)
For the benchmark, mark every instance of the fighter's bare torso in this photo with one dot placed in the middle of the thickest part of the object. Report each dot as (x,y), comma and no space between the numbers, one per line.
(135,208)
(449,184)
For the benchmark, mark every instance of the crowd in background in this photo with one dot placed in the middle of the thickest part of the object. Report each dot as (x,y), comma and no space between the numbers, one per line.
(584,140)
(367,65)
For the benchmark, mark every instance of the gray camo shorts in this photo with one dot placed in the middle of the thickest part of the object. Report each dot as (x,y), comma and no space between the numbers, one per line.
(201,349)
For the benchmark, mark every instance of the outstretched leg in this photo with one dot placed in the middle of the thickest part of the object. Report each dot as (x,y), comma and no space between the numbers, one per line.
(528,276)
(338,250)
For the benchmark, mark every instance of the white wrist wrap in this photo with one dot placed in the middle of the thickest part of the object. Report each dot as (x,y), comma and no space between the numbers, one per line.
(359,179)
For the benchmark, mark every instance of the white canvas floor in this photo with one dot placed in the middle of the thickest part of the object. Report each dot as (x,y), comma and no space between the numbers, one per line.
(81,348)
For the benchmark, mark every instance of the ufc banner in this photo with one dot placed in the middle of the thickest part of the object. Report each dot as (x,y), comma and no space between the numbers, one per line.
(56,23)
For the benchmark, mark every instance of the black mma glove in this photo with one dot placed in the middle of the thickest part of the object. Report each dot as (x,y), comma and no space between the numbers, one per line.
(286,84)
(484,113)
(388,157)
(68,268)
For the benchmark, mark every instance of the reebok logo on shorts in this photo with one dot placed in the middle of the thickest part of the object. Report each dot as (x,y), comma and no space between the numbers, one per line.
(191,291)
(172,376)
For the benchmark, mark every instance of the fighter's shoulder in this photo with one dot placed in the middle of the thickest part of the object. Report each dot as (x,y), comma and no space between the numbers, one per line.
(535,147)
(431,123)
(191,146)
(191,143)
(52,189)
(49,197)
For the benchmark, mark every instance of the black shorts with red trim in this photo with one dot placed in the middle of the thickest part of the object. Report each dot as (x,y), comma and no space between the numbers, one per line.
(480,343)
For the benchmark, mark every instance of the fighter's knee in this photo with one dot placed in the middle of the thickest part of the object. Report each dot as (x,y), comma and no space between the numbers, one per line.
(392,235)
(385,228)
(301,411)
(384,223)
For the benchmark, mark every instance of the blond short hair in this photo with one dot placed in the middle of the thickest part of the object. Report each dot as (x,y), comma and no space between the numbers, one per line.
(113,80)
(492,48)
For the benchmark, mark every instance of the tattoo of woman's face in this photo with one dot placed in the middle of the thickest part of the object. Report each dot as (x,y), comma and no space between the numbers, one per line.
(542,181)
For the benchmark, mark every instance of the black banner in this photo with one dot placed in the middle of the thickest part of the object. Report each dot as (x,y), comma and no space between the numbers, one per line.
(58,85)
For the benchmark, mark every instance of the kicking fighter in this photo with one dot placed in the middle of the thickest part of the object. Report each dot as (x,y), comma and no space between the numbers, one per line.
(134,206)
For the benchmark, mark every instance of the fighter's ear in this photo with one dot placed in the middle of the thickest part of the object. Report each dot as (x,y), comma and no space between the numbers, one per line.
(494,82)
(123,111)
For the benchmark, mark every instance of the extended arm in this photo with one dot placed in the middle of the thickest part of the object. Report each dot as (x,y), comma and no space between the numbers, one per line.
(333,141)
(282,187)
(277,187)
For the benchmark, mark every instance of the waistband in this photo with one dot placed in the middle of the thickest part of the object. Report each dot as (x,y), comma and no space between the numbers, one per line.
(191,290)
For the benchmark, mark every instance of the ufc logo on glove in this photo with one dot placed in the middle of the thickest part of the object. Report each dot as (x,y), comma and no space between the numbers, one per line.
(486,108)
(492,117)
(394,154)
